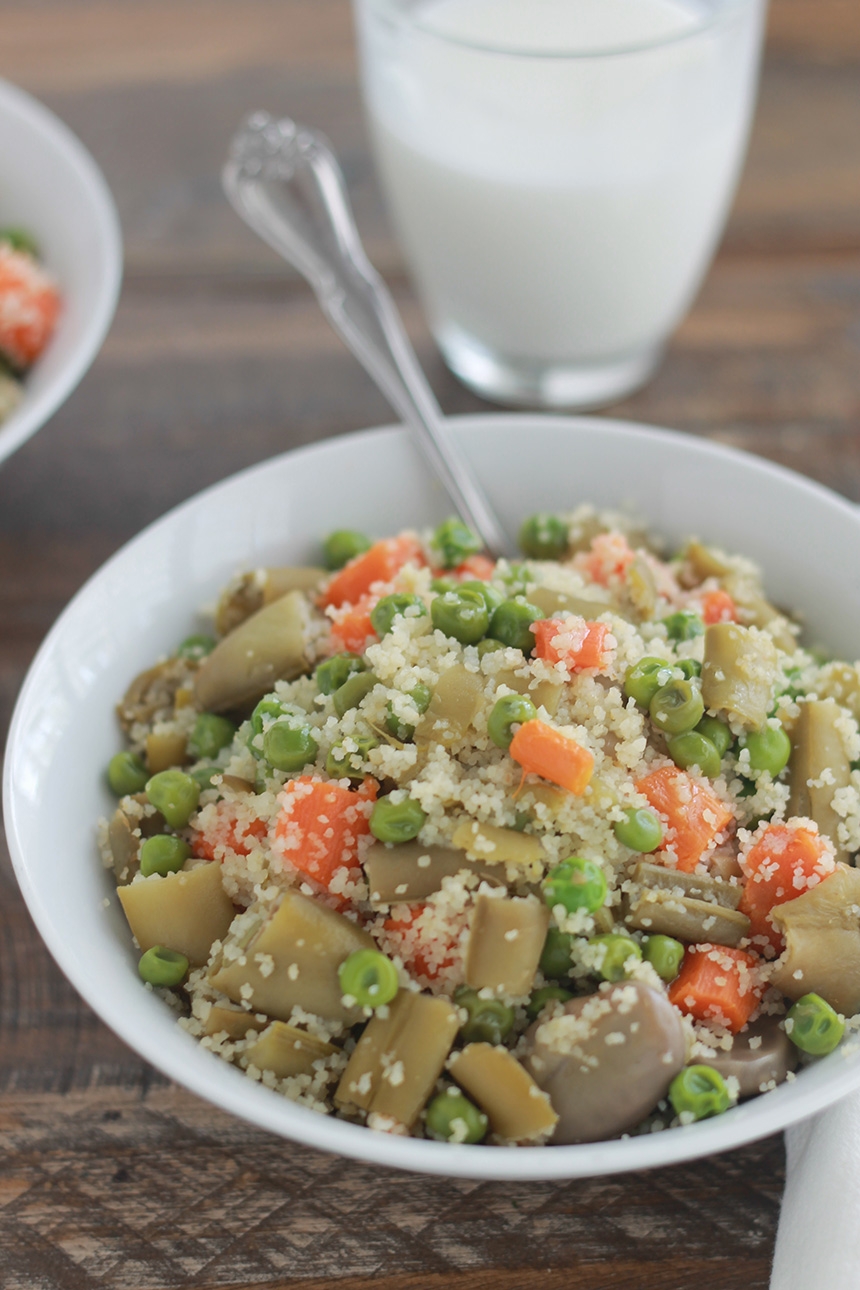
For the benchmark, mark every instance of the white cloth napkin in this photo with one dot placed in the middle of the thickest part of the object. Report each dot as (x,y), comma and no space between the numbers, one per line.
(818,1241)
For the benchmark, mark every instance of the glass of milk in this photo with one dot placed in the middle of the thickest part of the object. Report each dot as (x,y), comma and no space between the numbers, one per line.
(558,172)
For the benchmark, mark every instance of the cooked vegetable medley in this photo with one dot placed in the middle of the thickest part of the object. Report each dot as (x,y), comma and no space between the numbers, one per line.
(29,306)
(529,853)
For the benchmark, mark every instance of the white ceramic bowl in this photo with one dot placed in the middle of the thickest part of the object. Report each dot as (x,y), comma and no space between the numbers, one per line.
(144,599)
(50,185)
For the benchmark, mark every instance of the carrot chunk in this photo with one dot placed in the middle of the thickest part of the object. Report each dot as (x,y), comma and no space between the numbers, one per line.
(542,750)
(320,825)
(608,557)
(29,306)
(424,953)
(718,607)
(351,627)
(784,861)
(479,567)
(694,816)
(717,984)
(226,831)
(381,563)
(576,642)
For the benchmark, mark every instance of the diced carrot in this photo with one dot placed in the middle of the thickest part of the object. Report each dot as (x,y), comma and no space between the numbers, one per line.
(226,831)
(608,557)
(320,825)
(784,861)
(693,814)
(351,627)
(717,984)
(423,953)
(29,306)
(718,607)
(574,641)
(381,563)
(475,566)
(542,750)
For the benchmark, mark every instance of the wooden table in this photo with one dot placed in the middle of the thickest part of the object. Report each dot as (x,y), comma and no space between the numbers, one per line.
(109,1176)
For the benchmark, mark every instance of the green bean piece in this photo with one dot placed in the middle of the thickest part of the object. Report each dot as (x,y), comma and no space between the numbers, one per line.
(354,689)
(576,883)
(692,749)
(689,668)
(509,711)
(618,951)
(162,967)
(211,733)
(511,624)
(543,537)
(352,764)
(289,745)
(384,612)
(126,774)
(461,614)
(342,546)
(492,598)
(546,994)
(20,240)
(664,954)
(699,1091)
(451,1117)
(453,542)
(402,730)
(718,733)
(769,750)
(196,647)
(163,854)
(175,794)
(335,671)
(816,1027)
(685,625)
(369,977)
(556,955)
(645,678)
(677,706)
(640,830)
(489,1021)
(396,821)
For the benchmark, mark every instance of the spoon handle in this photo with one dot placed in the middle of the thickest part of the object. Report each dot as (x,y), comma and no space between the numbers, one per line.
(285,183)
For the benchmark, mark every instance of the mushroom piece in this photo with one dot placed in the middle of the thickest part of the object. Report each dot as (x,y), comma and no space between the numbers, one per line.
(822,938)
(606,1060)
(153,693)
(251,591)
(267,647)
(184,911)
(761,1056)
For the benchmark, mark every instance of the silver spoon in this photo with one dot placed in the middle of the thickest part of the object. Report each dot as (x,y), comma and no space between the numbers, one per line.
(285,183)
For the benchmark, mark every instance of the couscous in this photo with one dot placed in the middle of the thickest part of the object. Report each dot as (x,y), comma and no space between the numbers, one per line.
(516,853)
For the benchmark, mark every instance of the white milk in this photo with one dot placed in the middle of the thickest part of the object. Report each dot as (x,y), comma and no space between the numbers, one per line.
(557,188)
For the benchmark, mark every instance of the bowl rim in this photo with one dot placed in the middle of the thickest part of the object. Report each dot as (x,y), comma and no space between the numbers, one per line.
(33,412)
(231,1090)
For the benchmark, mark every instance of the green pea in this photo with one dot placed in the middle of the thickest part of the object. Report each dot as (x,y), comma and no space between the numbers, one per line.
(645,678)
(354,689)
(454,541)
(175,794)
(488,646)
(163,854)
(769,749)
(718,733)
(546,994)
(126,774)
(396,821)
(341,764)
(162,967)
(489,1021)
(384,612)
(492,598)
(20,240)
(342,546)
(544,537)
(442,585)
(619,950)
(402,730)
(699,1091)
(211,733)
(664,954)
(370,977)
(677,706)
(266,711)
(461,614)
(203,775)
(289,746)
(684,625)
(333,672)
(816,1028)
(508,711)
(640,830)
(692,749)
(196,646)
(556,955)
(576,883)
(689,668)
(511,624)
(451,1117)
